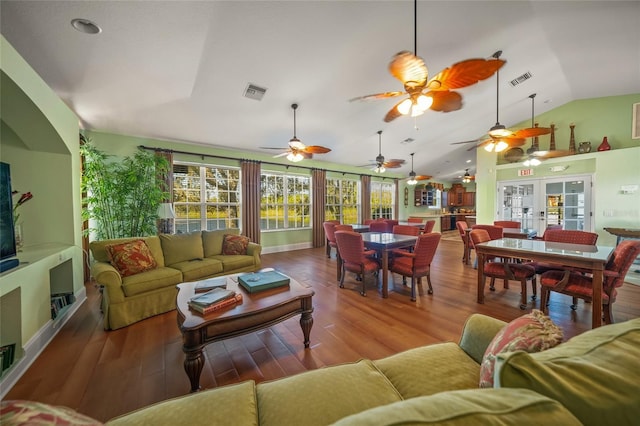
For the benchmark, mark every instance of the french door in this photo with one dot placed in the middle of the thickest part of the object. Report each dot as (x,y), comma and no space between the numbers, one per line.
(540,203)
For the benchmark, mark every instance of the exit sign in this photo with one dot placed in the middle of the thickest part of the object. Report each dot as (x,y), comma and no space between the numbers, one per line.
(525,172)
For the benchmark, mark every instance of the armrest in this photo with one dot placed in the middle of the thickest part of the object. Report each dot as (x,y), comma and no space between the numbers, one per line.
(255,250)
(108,277)
(477,333)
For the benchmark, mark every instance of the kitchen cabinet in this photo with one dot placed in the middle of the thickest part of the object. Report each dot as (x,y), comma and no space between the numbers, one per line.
(469,199)
(456,195)
(445,223)
(427,197)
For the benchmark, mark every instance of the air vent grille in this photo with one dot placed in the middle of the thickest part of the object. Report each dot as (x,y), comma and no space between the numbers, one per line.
(254,92)
(407,141)
(521,79)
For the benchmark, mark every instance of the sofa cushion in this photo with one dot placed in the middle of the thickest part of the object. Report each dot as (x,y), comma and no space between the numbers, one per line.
(235,244)
(193,270)
(226,405)
(181,247)
(151,280)
(131,258)
(325,395)
(212,240)
(430,369)
(99,248)
(235,263)
(533,332)
(468,407)
(30,413)
(596,374)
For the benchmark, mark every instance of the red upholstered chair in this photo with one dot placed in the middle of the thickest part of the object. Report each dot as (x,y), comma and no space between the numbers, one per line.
(506,270)
(355,258)
(329,230)
(428,227)
(406,230)
(564,236)
(368,221)
(415,220)
(580,286)
(418,263)
(495,232)
(380,226)
(508,223)
(461,225)
(392,222)
(549,228)
(343,228)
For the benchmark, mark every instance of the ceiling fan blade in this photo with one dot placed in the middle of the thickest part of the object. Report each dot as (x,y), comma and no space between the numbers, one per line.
(512,142)
(393,113)
(445,101)
(465,142)
(282,154)
(272,147)
(423,177)
(376,96)
(531,132)
(316,149)
(407,67)
(393,163)
(465,73)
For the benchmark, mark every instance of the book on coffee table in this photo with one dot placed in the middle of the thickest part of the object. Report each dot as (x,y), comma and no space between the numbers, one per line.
(225,303)
(258,281)
(209,284)
(212,296)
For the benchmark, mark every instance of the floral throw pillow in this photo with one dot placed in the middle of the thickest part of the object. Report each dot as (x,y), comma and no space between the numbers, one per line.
(532,332)
(18,413)
(235,244)
(131,258)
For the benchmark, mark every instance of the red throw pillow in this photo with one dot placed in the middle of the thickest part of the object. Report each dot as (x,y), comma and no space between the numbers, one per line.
(131,258)
(235,244)
(18,413)
(532,332)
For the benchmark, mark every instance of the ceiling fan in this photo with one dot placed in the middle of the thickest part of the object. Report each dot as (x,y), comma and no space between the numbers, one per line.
(435,93)
(467,177)
(413,178)
(380,165)
(297,151)
(534,155)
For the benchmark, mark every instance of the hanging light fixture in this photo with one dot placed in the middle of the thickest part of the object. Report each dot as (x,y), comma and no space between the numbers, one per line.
(467,177)
(498,130)
(294,157)
(412,176)
(380,159)
(294,143)
(531,159)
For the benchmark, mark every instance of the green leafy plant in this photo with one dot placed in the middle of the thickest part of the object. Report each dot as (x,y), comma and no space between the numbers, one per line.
(122,197)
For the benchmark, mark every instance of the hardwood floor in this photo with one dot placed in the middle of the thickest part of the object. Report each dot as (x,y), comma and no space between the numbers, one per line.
(107,373)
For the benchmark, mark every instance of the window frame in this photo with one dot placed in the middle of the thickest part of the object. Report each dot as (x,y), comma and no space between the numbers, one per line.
(340,196)
(376,208)
(285,207)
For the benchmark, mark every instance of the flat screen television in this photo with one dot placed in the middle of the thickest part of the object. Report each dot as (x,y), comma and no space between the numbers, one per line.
(7,232)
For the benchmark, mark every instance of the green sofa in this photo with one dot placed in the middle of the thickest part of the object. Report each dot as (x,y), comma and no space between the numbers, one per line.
(591,379)
(180,258)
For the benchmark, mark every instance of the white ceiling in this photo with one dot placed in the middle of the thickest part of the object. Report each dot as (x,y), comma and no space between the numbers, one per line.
(177,70)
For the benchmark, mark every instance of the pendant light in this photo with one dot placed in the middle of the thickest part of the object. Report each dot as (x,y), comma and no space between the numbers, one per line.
(498,130)
(531,159)
(467,177)
(412,176)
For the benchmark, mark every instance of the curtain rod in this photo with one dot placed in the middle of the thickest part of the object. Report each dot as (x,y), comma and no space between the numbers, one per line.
(174,151)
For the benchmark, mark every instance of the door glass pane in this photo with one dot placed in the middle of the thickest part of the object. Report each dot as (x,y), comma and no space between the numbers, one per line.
(518,204)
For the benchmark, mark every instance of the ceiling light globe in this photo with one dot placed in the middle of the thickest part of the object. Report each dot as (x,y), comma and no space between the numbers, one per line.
(416,111)
(380,169)
(405,106)
(412,181)
(526,163)
(501,146)
(535,162)
(424,102)
(295,157)
(489,147)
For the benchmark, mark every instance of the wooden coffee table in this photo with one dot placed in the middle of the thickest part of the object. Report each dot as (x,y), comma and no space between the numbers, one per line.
(257,310)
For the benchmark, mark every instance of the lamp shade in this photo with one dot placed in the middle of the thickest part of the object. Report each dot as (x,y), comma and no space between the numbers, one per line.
(165,211)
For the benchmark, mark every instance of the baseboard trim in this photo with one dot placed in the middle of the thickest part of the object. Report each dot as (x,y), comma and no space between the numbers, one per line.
(287,247)
(38,342)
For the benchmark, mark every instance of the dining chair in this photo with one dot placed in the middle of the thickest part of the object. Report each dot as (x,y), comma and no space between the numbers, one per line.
(508,223)
(368,221)
(578,285)
(461,225)
(406,230)
(355,258)
(495,232)
(506,271)
(392,222)
(564,236)
(329,231)
(549,228)
(416,264)
(380,226)
(428,227)
(343,228)
(415,220)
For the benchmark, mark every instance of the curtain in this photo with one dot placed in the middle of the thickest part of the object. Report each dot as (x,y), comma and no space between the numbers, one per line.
(251,192)
(319,184)
(166,225)
(396,207)
(365,201)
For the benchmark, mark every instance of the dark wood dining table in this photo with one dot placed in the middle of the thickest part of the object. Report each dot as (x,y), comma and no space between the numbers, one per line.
(570,255)
(520,233)
(382,243)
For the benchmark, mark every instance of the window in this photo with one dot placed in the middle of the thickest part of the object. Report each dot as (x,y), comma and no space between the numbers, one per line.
(382,200)
(285,201)
(205,197)
(341,202)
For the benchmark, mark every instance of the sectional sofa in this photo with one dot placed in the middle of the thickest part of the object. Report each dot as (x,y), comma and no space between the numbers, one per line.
(177,258)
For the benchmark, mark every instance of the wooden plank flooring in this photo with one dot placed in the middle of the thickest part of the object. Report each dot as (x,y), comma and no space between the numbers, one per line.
(107,373)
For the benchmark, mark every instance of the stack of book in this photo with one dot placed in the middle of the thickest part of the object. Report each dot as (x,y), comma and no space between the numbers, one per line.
(214,300)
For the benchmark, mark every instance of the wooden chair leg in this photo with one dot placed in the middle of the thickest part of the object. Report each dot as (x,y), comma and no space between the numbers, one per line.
(413,288)
(492,283)
(328,250)
(574,303)
(505,283)
(430,291)
(544,300)
(534,288)
(607,314)
(342,276)
(362,274)
(523,295)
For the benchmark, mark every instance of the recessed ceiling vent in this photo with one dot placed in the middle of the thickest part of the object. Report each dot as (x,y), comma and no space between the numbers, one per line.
(254,92)
(521,79)
(408,141)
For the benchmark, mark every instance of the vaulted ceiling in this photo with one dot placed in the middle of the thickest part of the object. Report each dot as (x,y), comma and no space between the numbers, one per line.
(178,70)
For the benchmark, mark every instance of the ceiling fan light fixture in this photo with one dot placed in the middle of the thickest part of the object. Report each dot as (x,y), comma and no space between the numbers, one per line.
(294,157)
(404,107)
(501,146)
(424,102)
(499,131)
(412,178)
(531,162)
(380,169)
(489,147)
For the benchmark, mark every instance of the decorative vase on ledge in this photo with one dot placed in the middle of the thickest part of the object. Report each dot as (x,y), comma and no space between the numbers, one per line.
(604,146)
(19,238)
